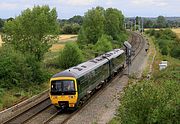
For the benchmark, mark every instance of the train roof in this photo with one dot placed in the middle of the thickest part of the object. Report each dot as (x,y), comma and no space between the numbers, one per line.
(86,67)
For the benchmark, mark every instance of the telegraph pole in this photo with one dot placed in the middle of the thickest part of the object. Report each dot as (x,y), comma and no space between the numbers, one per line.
(131,25)
(135,25)
(139,26)
(142,25)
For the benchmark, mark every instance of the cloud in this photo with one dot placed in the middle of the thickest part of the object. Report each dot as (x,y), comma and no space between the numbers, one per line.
(159,3)
(4,5)
(78,2)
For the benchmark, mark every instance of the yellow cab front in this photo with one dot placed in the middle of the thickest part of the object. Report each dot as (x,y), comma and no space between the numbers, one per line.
(63,92)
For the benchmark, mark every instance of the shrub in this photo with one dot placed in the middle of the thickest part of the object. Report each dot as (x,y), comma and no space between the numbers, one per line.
(17,70)
(154,101)
(175,51)
(104,44)
(70,56)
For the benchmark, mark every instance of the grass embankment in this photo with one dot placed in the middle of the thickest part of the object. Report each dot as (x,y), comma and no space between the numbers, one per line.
(13,96)
(154,100)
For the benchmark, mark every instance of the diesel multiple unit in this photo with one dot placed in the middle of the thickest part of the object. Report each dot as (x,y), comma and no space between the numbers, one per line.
(70,87)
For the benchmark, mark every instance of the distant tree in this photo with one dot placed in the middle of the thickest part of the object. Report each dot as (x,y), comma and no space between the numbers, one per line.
(161,22)
(67,29)
(76,19)
(103,44)
(71,28)
(10,19)
(114,22)
(32,31)
(93,24)
(76,27)
(1,24)
(138,19)
(70,56)
(148,23)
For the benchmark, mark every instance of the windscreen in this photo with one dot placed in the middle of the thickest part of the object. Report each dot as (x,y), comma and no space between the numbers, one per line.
(62,87)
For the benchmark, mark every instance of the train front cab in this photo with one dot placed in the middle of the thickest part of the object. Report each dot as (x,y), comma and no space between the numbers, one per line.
(63,92)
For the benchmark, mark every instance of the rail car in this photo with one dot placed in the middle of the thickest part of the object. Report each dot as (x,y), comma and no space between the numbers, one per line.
(70,87)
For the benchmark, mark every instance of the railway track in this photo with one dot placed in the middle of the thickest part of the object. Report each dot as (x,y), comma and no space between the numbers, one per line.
(30,113)
(48,113)
(136,45)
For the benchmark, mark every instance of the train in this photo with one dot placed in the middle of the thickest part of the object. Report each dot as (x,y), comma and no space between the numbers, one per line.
(71,87)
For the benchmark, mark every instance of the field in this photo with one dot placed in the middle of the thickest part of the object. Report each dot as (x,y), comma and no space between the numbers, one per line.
(62,40)
(54,50)
(66,37)
(177,31)
(0,41)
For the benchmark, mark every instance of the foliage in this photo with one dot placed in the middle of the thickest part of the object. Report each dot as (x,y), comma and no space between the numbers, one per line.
(71,28)
(167,41)
(93,24)
(1,24)
(175,51)
(98,22)
(76,19)
(82,38)
(154,101)
(31,31)
(16,70)
(104,44)
(70,56)
(113,22)
(161,22)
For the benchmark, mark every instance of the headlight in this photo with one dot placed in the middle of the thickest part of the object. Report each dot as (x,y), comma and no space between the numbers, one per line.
(71,97)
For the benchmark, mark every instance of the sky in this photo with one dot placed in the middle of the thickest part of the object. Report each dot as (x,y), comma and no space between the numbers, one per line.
(68,8)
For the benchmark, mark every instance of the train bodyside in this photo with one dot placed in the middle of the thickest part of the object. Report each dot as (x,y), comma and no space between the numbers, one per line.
(117,61)
(86,77)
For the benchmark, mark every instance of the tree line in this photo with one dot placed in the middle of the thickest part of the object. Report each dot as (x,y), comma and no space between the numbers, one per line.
(29,36)
(168,42)
(101,31)
(159,22)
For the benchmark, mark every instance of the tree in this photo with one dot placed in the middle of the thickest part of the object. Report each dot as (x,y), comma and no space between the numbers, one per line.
(67,29)
(148,23)
(76,19)
(32,31)
(70,28)
(93,24)
(104,44)
(161,22)
(114,22)
(70,56)
(1,24)
(18,70)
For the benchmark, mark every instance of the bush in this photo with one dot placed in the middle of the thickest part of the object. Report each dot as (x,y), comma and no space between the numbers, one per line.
(103,44)
(175,51)
(70,56)
(168,42)
(16,70)
(155,101)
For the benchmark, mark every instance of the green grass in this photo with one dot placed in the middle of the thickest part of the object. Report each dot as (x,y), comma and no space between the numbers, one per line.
(10,97)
